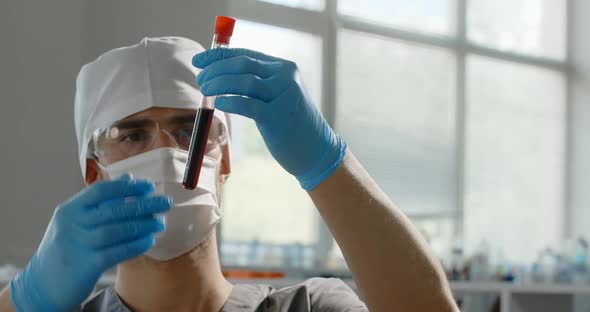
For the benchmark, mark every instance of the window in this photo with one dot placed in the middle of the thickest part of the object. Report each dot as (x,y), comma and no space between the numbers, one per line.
(532,27)
(416,15)
(258,186)
(396,109)
(456,107)
(305,4)
(514,157)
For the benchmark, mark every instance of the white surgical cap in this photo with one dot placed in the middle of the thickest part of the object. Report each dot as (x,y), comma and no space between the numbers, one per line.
(124,81)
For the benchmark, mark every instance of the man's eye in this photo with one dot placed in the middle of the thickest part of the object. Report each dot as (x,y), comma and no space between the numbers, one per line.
(134,136)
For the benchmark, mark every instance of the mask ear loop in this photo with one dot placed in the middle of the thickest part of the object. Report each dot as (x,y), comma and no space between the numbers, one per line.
(223,137)
(103,169)
(170,136)
(93,153)
(167,133)
(225,148)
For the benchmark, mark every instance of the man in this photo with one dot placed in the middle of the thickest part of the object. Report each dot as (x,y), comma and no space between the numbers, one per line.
(134,112)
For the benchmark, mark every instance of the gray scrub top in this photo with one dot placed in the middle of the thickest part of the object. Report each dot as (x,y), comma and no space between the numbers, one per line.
(313,295)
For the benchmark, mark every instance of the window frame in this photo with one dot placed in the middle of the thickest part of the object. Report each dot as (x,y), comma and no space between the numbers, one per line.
(326,24)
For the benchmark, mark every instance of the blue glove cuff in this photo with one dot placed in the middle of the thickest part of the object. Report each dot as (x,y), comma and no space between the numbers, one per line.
(330,160)
(15,295)
(25,295)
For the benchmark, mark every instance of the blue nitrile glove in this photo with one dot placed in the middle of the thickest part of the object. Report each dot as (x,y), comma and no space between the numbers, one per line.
(103,225)
(268,90)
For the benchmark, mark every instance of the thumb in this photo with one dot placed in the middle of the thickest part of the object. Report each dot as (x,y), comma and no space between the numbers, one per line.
(241,105)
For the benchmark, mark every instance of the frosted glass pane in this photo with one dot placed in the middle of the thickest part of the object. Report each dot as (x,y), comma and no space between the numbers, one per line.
(535,27)
(302,48)
(317,5)
(396,109)
(431,16)
(261,202)
(438,233)
(514,157)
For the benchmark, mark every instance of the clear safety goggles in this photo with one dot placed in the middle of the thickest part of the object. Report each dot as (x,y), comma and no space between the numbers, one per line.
(133,136)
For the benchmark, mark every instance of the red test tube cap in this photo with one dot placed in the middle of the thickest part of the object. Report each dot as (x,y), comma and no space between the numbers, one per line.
(224,26)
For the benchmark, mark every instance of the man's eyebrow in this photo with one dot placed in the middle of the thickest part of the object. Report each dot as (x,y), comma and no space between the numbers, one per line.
(182,119)
(136,123)
(133,123)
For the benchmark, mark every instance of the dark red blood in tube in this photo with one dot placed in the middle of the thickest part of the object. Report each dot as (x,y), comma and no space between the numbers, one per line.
(197,147)
(224,27)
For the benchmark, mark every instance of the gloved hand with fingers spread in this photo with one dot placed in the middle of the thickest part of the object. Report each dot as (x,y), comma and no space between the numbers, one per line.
(268,90)
(103,225)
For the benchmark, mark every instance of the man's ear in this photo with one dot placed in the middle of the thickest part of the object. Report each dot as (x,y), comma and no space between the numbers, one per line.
(92,171)
(225,162)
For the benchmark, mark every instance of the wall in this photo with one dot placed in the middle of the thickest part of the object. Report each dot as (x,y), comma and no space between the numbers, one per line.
(39,60)
(109,24)
(580,116)
(44,45)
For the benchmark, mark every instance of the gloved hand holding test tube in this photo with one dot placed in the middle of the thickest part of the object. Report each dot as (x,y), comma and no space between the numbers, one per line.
(224,27)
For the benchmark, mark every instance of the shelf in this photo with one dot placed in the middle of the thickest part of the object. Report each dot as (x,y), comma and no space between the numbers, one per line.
(498,287)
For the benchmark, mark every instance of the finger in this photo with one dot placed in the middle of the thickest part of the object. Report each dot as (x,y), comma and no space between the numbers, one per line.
(106,190)
(205,58)
(121,209)
(247,107)
(116,233)
(245,85)
(237,66)
(126,177)
(111,256)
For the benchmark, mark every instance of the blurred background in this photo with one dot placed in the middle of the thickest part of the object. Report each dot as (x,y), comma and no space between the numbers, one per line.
(472,115)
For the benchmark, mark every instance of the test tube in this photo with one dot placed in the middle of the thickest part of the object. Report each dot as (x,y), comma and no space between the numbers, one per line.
(224,27)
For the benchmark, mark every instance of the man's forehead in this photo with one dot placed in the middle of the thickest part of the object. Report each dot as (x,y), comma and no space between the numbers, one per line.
(167,114)
(161,113)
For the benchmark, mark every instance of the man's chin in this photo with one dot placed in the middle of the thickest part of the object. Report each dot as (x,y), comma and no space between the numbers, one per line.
(197,252)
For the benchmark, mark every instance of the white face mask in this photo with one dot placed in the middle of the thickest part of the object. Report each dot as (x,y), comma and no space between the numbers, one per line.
(195,212)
